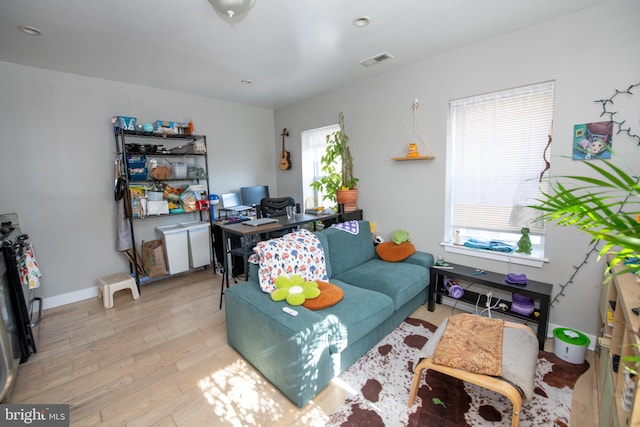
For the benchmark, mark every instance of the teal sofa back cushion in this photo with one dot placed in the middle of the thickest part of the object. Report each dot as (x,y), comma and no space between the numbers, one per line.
(345,250)
(322,236)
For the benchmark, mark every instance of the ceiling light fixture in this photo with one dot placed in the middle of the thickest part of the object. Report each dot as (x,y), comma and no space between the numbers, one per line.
(361,21)
(32,31)
(232,10)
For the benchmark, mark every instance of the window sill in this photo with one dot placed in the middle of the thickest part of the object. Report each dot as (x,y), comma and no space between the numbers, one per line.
(533,260)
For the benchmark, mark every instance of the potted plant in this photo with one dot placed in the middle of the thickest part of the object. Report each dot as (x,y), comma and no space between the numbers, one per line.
(606,206)
(338,183)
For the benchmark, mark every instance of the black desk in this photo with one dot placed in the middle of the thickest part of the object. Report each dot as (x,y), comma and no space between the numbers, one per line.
(245,232)
(540,292)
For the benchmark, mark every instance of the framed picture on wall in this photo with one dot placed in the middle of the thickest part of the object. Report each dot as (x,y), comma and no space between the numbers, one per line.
(592,141)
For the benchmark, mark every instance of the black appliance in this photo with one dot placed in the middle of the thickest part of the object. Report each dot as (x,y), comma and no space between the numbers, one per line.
(10,350)
(25,304)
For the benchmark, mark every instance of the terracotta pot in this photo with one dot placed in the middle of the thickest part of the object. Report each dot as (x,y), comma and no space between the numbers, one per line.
(348,198)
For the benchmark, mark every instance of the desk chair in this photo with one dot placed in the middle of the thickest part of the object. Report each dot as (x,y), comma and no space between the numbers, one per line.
(274,207)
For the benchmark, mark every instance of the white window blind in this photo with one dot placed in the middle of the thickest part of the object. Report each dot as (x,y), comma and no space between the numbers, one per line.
(496,145)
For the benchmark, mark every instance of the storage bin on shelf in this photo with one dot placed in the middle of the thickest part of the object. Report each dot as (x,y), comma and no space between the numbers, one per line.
(178,170)
(123,122)
(137,167)
(199,243)
(176,246)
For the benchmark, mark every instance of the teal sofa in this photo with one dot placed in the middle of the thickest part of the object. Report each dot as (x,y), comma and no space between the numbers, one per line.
(301,355)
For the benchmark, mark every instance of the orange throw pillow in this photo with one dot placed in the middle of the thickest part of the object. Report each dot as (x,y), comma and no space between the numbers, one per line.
(329,295)
(389,251)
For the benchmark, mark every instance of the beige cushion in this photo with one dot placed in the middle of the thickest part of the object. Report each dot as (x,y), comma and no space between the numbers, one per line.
(519,356)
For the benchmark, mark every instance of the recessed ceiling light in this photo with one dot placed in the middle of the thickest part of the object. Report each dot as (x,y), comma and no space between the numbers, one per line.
(361,21)
(33,31)
(246,82)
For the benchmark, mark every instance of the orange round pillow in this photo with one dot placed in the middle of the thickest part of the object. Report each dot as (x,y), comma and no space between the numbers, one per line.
(389,251)
(329,295)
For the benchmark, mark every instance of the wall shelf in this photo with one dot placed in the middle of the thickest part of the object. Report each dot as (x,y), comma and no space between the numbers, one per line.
(411,139)
(414,158)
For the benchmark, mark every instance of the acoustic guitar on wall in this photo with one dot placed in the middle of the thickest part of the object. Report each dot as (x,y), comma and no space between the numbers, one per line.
(285,156)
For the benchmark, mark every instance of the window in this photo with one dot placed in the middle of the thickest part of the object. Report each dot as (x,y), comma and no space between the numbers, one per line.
(314,142)
(496,150)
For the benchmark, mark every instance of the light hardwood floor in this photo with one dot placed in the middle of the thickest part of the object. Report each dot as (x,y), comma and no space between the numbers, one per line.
(163,360)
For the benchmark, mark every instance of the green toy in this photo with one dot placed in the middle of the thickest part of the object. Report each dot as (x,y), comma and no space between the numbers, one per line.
(294,289)
(400,236)
(524,244)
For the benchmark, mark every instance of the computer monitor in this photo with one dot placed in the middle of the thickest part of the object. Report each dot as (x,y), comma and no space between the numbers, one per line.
(252,195)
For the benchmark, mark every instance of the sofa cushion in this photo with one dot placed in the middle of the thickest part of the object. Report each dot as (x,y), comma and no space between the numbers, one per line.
(299,253)
(346,250)
(401,281)
(322,236)
(359,312)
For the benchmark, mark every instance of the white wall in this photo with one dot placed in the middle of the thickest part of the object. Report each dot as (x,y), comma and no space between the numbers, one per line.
(588,54)
(56,163)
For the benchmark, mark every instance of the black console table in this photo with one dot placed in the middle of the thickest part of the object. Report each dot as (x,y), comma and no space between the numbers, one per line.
(540,292)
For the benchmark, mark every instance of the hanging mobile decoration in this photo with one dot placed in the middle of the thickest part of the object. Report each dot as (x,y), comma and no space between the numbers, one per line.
(415,140)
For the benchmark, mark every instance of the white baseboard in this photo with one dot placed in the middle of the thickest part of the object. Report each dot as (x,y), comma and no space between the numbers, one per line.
(70,297)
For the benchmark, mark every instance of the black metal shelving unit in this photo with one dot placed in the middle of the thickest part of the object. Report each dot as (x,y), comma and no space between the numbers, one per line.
(122,140)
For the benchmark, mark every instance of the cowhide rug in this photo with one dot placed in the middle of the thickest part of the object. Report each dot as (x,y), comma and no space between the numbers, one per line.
(378,386)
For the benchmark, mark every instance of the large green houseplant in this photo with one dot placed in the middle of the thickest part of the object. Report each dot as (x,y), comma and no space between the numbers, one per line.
(337,180)
(606,206)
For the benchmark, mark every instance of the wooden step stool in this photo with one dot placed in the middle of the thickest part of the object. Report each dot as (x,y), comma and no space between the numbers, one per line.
(109,285)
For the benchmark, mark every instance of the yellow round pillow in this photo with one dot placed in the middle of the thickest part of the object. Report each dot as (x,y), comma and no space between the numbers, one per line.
(389,251)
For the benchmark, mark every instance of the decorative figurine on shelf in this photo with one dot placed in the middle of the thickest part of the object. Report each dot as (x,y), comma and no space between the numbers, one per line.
(413,150)
(524,244)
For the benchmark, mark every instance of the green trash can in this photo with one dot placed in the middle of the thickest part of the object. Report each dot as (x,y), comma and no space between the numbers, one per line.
(570,345)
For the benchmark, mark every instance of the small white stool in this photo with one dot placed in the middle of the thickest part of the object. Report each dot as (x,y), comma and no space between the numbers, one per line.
(109,285)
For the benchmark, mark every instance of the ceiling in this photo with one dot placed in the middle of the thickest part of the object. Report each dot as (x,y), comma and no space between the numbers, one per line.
(289,49)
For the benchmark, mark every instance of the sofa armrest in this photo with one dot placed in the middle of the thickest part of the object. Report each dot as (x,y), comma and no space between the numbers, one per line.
(291,352)
(423,259)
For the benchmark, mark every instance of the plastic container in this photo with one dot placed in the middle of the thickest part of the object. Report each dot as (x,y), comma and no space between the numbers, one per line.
(124,122)
(178,170)
(214,199)
(522,304)
(199,243)
(176,246)
(159,168)
(155,196)
(137,167)
(570,345)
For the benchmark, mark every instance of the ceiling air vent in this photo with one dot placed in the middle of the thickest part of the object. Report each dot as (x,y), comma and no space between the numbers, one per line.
(376,59)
